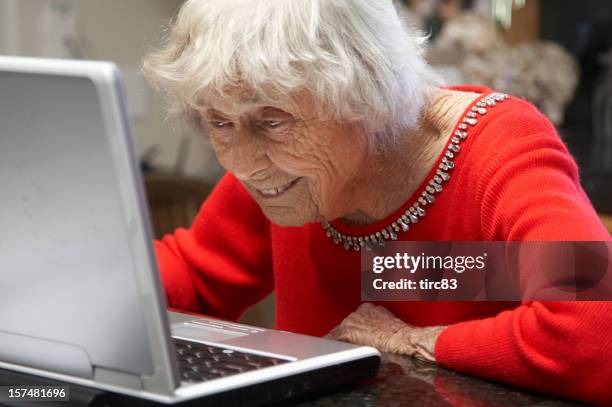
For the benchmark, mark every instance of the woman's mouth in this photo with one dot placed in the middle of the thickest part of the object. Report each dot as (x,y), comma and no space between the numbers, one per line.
(277,191)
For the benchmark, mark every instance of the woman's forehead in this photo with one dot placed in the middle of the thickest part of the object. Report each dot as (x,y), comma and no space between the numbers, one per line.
(242,103)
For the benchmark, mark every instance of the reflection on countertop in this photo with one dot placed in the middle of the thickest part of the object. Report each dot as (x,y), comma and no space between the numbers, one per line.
(404,381)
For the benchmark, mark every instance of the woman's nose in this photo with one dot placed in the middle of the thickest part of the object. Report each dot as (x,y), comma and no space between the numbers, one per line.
(247,158)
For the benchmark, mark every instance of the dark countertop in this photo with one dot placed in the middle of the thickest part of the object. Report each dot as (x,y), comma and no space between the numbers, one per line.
(403,381)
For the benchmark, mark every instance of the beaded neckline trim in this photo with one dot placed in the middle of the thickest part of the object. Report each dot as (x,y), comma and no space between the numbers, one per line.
(432,188)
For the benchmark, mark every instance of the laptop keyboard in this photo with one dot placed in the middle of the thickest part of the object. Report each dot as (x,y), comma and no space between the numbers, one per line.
(201,362)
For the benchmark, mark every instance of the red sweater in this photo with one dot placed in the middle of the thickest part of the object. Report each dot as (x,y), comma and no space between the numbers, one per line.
(513,180)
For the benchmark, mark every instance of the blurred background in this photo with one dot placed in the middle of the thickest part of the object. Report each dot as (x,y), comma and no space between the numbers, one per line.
(555,53)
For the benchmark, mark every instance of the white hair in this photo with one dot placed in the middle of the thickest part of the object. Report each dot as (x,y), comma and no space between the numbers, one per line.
(355,57)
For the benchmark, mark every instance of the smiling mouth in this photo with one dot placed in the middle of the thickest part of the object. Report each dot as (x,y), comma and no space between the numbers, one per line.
(277,191)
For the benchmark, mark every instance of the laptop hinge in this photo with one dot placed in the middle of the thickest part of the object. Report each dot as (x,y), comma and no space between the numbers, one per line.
(122,379)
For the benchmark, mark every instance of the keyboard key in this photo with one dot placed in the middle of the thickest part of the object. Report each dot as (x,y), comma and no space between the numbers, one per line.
(199,362)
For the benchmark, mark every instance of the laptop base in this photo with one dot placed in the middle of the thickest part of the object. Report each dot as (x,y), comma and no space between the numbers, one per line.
(310,383)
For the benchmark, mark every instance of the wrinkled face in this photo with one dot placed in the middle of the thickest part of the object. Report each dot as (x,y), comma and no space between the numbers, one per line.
(299,169)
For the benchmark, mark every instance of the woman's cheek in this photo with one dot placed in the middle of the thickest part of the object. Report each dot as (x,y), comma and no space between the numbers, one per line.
(222,150)
(291,157)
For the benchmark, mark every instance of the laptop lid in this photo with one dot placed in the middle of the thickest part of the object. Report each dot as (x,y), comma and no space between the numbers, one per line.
(79,290)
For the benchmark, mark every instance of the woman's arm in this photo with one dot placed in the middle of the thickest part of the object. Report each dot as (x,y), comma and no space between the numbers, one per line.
(531,191)
(222,264)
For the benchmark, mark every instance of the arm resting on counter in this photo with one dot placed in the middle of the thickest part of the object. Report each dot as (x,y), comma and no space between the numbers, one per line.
(562,348)
(222,264)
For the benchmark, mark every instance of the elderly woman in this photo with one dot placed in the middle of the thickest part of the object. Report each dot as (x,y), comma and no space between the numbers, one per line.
(335,138)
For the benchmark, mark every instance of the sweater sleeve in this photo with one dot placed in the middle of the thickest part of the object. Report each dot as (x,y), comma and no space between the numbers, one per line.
(530,190)
(222,264)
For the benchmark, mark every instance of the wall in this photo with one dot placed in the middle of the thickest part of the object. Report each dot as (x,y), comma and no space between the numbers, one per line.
(119,31)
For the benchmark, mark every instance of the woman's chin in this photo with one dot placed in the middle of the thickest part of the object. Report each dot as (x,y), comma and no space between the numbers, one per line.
(287,216)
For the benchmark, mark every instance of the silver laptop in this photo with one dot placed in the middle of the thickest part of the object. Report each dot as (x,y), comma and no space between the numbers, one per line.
(80,296)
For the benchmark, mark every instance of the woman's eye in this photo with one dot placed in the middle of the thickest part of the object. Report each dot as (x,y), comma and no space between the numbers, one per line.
(274,124)
(220,124)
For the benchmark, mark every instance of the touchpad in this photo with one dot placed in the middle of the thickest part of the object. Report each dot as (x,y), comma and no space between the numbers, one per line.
(196,331)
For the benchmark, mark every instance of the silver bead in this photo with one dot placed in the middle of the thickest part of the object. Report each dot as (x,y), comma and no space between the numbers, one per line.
(430,198)
(443,174)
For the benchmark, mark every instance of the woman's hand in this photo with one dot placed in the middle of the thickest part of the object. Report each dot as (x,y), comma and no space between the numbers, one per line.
(373,325)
